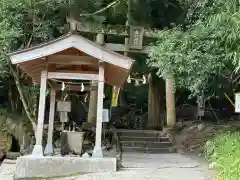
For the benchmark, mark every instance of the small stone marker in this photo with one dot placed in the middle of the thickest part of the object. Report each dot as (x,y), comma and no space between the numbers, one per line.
(237,102)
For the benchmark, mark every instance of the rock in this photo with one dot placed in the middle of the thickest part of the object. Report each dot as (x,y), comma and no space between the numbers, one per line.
(13,155)
(212,165)
(179,125)
(58,155)
(172,149)
(2,155)
(58,143)
(192,128)
(201,127)
(85,155)
(192,148)
(181,149)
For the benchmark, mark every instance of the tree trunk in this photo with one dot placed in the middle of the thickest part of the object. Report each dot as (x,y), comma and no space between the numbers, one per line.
(24,102)
(10,96)
(155,106)
(170,102)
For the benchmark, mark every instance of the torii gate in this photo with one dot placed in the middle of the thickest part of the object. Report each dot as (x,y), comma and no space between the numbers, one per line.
(133,37)
(76,58)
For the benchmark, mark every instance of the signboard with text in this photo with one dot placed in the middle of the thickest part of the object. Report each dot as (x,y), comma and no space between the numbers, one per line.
(64,106)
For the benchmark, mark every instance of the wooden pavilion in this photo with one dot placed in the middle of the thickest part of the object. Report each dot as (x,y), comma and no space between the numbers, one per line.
(71,57)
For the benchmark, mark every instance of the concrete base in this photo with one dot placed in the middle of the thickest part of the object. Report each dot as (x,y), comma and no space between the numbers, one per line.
(48,149)
(37,151)
(97,152)
(47,167)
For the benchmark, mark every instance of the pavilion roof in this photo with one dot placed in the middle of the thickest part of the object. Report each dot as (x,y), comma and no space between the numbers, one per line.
(73,53)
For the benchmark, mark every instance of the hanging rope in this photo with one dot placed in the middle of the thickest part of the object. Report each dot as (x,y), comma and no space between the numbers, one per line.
(70,82)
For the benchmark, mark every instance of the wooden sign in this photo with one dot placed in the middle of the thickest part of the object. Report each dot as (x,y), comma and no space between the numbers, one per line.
(136,37)
(237,102)
(64,106)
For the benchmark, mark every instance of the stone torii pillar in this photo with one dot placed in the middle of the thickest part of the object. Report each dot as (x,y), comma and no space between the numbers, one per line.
(170,102)
(49,146)
(38,150)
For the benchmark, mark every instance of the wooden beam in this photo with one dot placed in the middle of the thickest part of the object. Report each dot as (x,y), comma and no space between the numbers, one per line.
(77,76)
(76,87)
(74,71)
(124,48)
(72,60)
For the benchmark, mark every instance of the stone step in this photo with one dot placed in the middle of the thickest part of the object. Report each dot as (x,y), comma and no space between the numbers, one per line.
(139,138)
(148,150)
(146,144)
(140,133)
(161,150)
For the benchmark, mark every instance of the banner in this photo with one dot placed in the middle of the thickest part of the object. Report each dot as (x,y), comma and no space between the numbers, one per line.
(115,95)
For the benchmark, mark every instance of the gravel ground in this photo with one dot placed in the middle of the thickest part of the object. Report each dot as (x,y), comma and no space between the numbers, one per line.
(143,174)
(142,167)
(7,169)
(155,167)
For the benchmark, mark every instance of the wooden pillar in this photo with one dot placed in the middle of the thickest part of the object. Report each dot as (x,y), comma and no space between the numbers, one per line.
(49,146)
(170,102)
(38,150)
(97,152)
(92,110)
(155,102)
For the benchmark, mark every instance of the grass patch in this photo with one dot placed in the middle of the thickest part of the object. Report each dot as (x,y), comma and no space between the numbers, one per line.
(223,153)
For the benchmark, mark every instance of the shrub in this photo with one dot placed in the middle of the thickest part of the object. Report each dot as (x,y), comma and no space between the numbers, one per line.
(223,152)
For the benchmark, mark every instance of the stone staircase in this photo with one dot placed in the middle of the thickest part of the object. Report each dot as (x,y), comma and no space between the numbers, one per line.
(145,141)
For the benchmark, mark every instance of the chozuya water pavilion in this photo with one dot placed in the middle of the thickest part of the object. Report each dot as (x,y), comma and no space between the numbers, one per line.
(71,57)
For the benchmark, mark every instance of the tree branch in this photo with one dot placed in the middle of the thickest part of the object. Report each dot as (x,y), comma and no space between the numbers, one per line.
(101,10)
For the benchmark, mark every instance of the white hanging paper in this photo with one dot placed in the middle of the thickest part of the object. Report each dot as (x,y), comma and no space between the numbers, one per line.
(63,116)
(105,115)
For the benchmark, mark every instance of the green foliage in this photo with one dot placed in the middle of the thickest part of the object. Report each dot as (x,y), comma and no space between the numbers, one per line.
(197,54)
(223,152)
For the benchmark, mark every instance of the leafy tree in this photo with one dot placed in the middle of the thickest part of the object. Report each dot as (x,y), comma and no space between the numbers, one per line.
(206,48)
(23,24)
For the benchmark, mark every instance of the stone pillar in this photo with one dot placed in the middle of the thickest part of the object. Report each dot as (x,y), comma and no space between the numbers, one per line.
(38,150)
(97,152)
(49,146)
(170,102)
